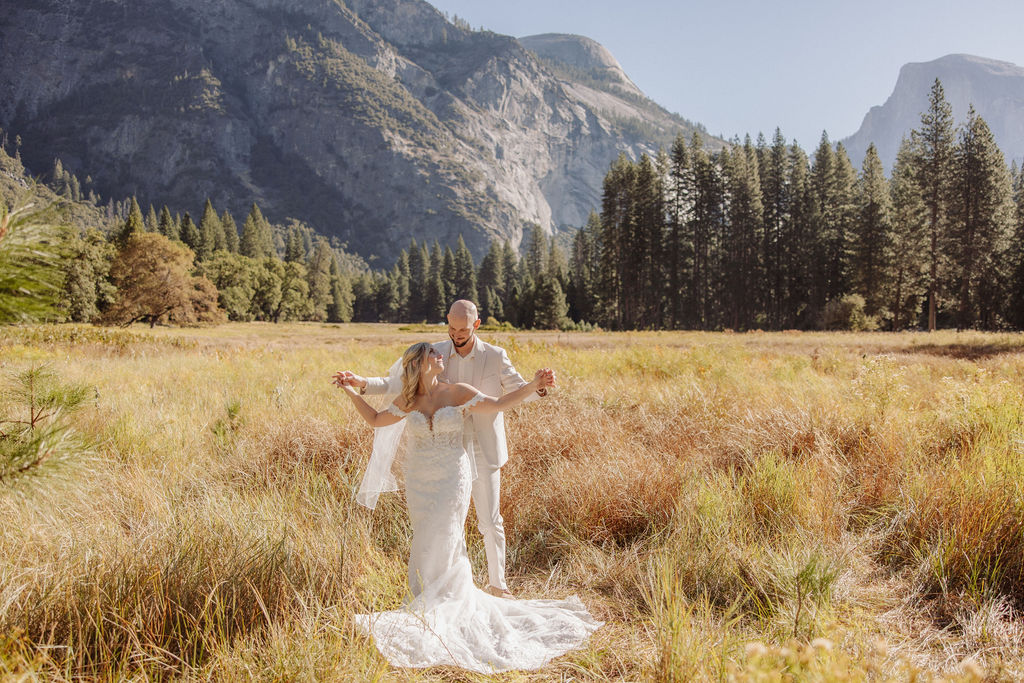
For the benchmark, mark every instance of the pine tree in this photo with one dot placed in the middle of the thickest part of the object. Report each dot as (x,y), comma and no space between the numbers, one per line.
(465,274)
(388,291)
(981,220)
(678,256)
(509,267)
(436,273)
(706,225)
(490,276)
(402,281)
(795,249)
(211,233)
(844,196)
(549,303)
(777,200)
(190,233)
(86,290)
(227,221)
(584,265)
(61,179)
(616,275)
(871,240)
(492,306)
(1014,310)
(934,166)
(340,308)
(524,302)
(557,265)
(295,303)
(741,269)
(249,243)
(824,228)
(534,250)
(293,251)
(30,275)
(256,240)
(419,267)
(436,298)
(166,224)
(319,280)
(134,224)
(364,299)
(645,246)
(448,274)
(152,222)
(909,237)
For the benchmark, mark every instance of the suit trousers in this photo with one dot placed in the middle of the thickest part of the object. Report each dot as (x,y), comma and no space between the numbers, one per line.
(487,502)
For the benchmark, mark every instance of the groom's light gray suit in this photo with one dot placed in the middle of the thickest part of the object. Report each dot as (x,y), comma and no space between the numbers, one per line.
(488,369)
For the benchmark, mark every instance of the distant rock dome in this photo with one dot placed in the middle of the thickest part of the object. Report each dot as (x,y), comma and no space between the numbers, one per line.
(995,89)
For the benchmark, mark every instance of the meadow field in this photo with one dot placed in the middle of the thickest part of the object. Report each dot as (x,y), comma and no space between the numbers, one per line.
(734,507)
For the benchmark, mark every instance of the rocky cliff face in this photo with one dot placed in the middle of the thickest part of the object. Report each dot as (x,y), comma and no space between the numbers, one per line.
(371,120)
(996,89)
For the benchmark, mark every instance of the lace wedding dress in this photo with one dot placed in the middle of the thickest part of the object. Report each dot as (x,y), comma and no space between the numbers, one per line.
(450,621)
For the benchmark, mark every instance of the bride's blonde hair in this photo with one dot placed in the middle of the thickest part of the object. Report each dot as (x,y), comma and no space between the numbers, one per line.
(412,362)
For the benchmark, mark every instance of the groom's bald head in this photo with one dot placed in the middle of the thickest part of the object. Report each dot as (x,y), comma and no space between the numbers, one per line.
(463,320)
(463,310)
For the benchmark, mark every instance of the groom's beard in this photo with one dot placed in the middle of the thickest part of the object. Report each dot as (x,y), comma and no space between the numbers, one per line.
(460,345)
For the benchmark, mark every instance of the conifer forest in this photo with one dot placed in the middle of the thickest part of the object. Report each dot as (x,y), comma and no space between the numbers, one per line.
(757,235)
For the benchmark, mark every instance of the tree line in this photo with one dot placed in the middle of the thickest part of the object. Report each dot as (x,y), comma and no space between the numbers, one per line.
(755,236)
(168,268)
(117,265)
(759,236)
(165,268)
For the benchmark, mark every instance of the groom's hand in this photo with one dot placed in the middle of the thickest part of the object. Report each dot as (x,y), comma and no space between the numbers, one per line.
(346,378)
(547,380)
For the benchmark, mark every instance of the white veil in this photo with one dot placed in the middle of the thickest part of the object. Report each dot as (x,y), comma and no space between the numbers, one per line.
(378,477)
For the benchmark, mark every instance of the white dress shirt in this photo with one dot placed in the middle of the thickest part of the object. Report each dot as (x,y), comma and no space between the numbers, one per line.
(460,369)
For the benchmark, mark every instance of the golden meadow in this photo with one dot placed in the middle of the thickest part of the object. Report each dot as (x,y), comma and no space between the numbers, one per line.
(735,507)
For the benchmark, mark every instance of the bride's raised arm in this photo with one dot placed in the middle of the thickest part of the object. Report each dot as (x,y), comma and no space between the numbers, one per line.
(373,417)
(543,378)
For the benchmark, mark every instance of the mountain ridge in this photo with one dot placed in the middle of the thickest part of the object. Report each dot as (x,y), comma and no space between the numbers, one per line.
(374,121)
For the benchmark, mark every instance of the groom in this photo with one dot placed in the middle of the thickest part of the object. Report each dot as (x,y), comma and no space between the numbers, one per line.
(487,368)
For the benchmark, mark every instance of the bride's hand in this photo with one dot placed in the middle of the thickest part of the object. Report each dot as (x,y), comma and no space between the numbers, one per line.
(346,378)
(545,377)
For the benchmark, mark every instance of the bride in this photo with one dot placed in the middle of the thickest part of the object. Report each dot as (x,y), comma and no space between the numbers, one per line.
(449,621)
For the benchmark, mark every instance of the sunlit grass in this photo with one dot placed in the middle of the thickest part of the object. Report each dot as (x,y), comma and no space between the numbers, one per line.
(733,506)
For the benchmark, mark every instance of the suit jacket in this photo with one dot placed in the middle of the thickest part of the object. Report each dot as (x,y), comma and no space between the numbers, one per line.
(493,374)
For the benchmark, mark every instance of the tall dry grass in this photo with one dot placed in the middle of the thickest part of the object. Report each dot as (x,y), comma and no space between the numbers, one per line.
(735,507)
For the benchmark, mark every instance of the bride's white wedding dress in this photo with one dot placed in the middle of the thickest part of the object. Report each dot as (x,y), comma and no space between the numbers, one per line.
(450,621)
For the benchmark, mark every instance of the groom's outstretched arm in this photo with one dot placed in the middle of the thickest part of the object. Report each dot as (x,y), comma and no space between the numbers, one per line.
(511,380)
(384,385)
(373,385)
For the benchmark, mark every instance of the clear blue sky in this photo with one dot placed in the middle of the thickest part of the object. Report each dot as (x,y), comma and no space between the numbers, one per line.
(748,66)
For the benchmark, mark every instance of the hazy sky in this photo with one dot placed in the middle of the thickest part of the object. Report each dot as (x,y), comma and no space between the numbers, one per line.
(747,66)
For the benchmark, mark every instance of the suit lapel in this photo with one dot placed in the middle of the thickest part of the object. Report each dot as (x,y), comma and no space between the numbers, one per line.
(478,365)
(445,349)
